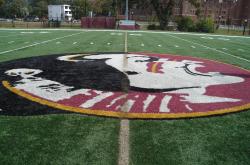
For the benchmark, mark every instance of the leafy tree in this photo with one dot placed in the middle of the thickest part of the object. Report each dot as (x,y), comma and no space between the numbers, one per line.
(185,24)
(79,8)
(164,10)
(103,7)
(1,3)
(40,9)
(17,8)
(205,25)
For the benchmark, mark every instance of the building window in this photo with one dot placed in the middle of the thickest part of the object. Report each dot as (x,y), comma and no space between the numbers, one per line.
(66,7)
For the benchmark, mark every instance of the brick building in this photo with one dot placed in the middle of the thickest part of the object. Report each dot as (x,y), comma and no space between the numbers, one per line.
(241,12)
(221,11)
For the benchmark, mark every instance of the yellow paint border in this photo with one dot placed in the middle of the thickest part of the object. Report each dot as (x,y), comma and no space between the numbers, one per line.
(7,85)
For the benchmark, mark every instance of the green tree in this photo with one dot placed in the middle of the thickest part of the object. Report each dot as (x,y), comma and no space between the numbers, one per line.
(40,9)
(164,8)
(79,8)
(164,11)
(1,3)
(18,8)
(103,7)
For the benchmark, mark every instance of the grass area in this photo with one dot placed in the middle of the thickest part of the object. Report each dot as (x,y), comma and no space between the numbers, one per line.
(230,32)
(58,139)
(204,141)
(79,139)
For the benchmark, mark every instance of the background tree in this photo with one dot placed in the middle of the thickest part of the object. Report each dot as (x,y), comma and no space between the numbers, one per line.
(164,9)
(40,8)
(103,7)
(1,3)
(16,8)
(79,8)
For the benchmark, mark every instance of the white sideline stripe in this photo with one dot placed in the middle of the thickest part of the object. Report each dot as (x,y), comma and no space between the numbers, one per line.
(124,143)
(39,43)
(139,31)
(210,48)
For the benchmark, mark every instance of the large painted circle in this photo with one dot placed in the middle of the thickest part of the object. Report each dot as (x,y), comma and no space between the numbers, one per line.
(133,85)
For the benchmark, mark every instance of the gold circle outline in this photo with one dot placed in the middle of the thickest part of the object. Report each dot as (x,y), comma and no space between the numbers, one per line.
(7,85)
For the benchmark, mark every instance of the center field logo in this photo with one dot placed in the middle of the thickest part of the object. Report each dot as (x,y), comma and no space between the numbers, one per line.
(134,85)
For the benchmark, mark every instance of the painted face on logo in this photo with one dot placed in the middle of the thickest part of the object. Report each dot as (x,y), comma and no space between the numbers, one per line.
(153,74)
(158,84)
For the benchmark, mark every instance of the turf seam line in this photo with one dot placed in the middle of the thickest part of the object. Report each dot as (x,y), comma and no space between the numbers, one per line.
(123,158)
(209,48)
(124,142)
(39,43)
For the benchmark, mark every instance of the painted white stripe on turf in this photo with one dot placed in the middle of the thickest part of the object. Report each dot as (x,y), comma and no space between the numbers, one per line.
(39,43)
(123,158)
(12,35)
(124,143)
(139,31)
(209,48)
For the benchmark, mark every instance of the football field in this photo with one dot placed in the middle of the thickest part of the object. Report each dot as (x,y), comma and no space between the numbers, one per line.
(71,138)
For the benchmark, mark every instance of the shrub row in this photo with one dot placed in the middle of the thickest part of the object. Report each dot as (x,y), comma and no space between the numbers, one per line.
(187,24)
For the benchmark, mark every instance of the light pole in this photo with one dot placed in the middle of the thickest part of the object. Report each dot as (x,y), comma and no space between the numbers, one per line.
(220,2)
(205,13)
(245,24)
(85,8)
(126,12)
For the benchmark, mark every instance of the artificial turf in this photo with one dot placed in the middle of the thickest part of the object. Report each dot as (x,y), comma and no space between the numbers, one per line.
(79,139)
(58,139)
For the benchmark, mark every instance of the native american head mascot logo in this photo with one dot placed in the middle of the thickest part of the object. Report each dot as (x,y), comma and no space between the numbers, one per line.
(155,84)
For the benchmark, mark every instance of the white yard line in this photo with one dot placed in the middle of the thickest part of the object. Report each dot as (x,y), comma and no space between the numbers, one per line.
(240,43)
(138,31)
(38,43)
(12,35)
(209,48)
(123,158)
(124,143)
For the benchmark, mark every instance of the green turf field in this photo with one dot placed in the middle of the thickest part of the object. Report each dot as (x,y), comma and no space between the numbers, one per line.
(79,139)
